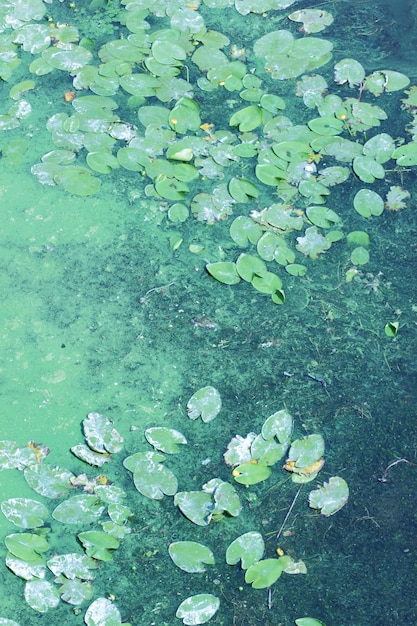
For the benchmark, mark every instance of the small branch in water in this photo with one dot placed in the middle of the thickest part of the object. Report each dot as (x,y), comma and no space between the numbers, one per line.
(384,478)
(289,512)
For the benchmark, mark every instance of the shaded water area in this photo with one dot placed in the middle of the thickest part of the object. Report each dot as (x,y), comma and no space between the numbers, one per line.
(108,307)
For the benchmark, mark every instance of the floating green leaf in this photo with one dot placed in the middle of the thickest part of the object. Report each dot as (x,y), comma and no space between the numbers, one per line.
(349,71)
(48,481)
(82,509)
(98,544)
(86,454)
(27,546)
(225,497)
(100,434)
(197,506)
(263,574)
(247,119)
(102,612)
(406,154)
(313,20)
(24,512)
(279,425)
(244,230)
(41,595)
(165,439)
(368,202)
(150,477)
(359,256)
(251,473)
(313,243)
(248,548)
(224,271)
(198,609)
(322,216)
(391,329)
(190,556)
(205,402)
(77,180)
(242,190)
(34,569)
(74,591)
(330,497)
(73,565)
(367,169)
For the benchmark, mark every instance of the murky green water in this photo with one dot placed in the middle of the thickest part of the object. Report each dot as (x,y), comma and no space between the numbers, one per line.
(102,312)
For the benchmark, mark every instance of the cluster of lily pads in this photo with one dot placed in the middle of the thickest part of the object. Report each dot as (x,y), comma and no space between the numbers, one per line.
(102,503)
(144,104)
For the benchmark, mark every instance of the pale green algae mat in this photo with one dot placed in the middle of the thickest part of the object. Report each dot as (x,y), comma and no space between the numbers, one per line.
(209,313)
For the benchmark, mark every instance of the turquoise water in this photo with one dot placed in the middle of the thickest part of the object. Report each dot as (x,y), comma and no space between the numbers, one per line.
(107,308)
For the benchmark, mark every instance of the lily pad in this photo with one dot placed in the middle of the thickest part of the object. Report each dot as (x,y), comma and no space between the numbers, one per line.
(28,570)
(150,477)
(244,230)
(225,497)
(73,565)
(313,243)
(359,256)
(313,20)
(165,439)
(48,481)
(86,454)
(263,574)
(82,509)
(100,434)
(206,402)
(190,556)
(322,216)
(74,591)
(368,202)
(367,169)
(247,548)
(27,546)
(198,609)
(330,497)
(239,450)
(349,71)
(98,544)
(279,425)
(41,595)
(197,506)
(224,271)
(78,180)
(102,612)
(251,473)
(24,512)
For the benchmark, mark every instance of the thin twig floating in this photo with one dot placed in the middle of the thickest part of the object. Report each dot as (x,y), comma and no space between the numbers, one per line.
(289,512)
(384,478)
